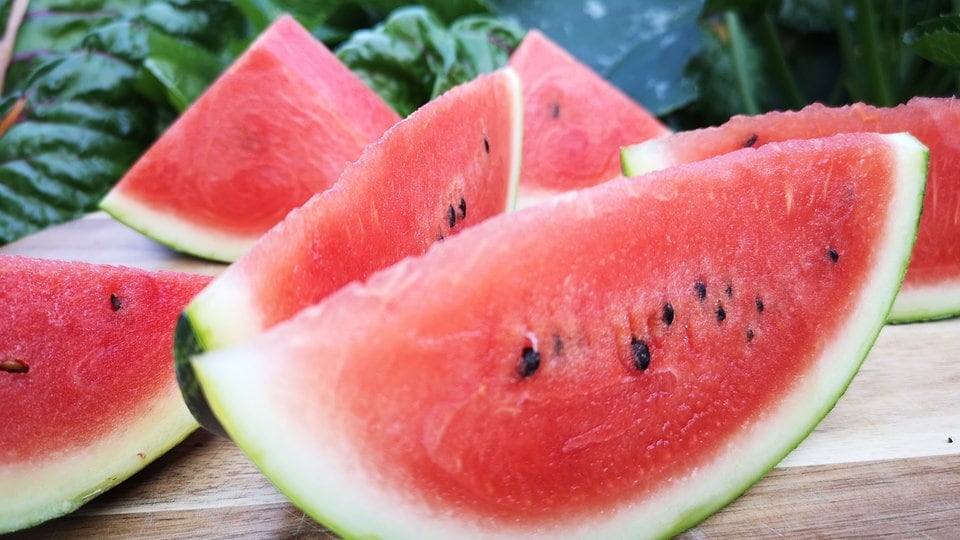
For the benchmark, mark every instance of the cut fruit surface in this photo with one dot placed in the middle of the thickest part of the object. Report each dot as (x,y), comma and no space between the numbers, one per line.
(450,164)
(931,289)
(574,121)
(86,380)
(620,361)
(278,126)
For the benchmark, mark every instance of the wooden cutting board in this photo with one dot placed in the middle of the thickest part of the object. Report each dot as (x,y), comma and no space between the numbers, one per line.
(885,461)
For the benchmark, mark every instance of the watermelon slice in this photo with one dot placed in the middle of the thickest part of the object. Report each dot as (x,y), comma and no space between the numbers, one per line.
(931,289)
(574,121)
(452,163)
(86,380)
(618,362)
(278,126)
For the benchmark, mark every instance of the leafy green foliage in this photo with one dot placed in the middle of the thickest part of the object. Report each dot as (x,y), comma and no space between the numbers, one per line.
(413,56)
(937,40)
(80,105)
(795,52)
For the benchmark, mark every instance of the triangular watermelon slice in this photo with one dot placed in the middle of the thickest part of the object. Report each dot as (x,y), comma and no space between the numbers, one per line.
(278,126)
(932,286)
(618,362)
(574,122)
(452,163)
(86,380)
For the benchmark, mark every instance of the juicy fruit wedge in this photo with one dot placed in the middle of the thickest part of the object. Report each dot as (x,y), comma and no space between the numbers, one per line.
(452,163)
(278,126)
(574,121)
(931,289)
(86,380)
(621,361)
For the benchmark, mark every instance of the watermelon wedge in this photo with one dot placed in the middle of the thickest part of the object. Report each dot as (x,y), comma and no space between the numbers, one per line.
(574,122)
(86,380)
(931,289)
(618,362)
(452,163)
(278,126)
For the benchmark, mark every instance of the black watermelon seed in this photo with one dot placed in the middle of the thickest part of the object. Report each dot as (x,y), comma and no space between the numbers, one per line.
(529,362)
(463,208)
(749,335)
(554,110)
(950,440)
(440,237)
(14,366)
(759,305)
(721,313)
(115,302)
(729,291)
(641,353)
(701,289)
(668,314)
(832,253)
(486,145)
(451,216)
(751,140)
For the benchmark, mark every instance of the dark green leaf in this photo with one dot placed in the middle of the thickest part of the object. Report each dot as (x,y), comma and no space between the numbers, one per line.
(937,40)
(78,134)
(447,10)
(721,75)
(413,56)
(86,118)
(183,69)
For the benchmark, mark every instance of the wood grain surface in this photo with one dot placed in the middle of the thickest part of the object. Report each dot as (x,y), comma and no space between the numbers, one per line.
(884,462)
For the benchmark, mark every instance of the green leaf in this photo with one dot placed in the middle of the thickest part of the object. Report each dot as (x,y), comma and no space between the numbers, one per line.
(68,148)
(413,56)
(90,95)
(937,40)
(729,82)
(183,69)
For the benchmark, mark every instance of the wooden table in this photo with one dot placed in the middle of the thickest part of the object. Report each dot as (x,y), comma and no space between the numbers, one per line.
(885,461)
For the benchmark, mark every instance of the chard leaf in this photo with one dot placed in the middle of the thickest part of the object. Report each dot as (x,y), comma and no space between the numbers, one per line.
(81,103)
(937,40)
(413,56)
(67,148)
(182,69)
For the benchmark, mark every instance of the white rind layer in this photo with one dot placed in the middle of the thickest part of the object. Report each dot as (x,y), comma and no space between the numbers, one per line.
(924,303)
(223,313)
(331,483)
(648,156)
(175,232)
(38,491)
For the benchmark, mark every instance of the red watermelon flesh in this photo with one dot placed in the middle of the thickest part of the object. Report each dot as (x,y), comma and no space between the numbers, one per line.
(450,164)
(617,362)
(86,380)
(932,287)
(278,126)
(574,121)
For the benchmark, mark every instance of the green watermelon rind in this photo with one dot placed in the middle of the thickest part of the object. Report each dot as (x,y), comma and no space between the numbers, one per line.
(747,458)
